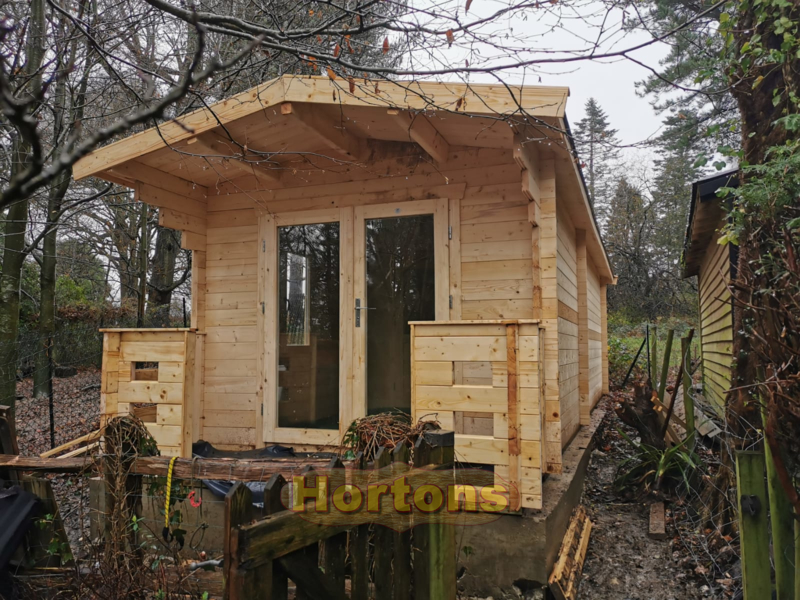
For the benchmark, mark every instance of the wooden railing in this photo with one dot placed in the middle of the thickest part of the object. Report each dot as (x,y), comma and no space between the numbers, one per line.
(262,556)
(481,379)
(151,373)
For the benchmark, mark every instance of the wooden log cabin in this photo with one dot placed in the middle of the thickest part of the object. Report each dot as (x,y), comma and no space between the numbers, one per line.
(714,265)
(427,247)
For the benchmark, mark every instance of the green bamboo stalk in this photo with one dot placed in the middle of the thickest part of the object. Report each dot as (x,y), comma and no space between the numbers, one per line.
(662,385)
(654,357)
(780,512)
(753,525)
(688,398)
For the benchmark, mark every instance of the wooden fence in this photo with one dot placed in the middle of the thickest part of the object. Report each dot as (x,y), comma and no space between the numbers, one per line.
(765,508)
(262,556)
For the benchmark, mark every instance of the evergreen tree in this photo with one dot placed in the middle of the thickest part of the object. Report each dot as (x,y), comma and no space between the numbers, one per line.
(672,190)
(690,88)
(598,149)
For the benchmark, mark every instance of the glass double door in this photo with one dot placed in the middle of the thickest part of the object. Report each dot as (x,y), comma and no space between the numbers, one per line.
(347,290)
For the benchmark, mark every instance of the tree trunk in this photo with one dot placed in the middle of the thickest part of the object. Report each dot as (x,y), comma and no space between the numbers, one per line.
(144,252)
(760,104)
(162,277)
(13,259)
(43,373)
(17,218)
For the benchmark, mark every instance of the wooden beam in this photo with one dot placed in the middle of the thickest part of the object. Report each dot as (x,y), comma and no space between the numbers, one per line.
(193,241)
(161,198)
(214,145)
(334,135)
(138,171)
(185,468)
(526,157)
(420,130)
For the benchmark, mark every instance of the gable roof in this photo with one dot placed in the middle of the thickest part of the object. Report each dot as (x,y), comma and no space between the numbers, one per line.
(260,133)
(706,215)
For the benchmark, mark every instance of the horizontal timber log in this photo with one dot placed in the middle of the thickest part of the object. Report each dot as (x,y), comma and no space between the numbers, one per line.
(203,468)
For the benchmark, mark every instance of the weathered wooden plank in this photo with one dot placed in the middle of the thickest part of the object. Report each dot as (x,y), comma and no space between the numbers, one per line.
(658,522)
(151,391)
(434,373)
(151,352)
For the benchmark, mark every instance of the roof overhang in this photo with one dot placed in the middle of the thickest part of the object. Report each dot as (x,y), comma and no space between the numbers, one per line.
(290,111)
(706,215)
(488,100)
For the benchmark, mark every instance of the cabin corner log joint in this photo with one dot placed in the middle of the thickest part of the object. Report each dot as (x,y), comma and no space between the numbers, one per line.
(307,275)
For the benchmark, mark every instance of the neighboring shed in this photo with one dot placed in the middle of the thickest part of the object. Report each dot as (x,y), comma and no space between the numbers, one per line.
(714,265)
(355,252)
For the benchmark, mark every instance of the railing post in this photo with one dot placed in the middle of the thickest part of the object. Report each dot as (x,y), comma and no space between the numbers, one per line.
(401,565)
(359,552)
(780,516)
(435,544)
(334,549)
(279,582)
(753,525)
(308,554)
(241,584)
(382,539)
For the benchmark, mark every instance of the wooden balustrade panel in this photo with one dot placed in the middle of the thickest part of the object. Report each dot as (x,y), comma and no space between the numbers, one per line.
(460,376)
(150,373)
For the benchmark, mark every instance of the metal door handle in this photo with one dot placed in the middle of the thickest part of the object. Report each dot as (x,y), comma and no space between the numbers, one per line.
(359,308)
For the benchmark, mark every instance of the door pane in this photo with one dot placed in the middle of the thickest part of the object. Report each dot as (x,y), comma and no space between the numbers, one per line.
(400,288)
(308,348)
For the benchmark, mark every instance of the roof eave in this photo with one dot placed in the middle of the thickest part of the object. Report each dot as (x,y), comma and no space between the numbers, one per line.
(480,99)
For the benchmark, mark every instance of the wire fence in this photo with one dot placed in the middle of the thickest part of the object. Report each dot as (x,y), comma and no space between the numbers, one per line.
(705,519)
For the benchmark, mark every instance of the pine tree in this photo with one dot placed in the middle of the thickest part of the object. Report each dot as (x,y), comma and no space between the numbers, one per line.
(598,149)
(672,190)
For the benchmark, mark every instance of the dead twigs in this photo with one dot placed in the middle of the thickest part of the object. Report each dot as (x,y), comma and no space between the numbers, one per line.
(368,434)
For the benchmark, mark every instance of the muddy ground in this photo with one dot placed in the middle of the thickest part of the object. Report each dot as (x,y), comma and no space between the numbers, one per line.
(623,562)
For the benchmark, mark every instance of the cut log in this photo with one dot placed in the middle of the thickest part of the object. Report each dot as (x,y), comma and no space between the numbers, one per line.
(185,468)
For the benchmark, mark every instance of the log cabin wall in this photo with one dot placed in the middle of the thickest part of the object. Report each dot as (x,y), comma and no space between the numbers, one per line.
(595,328)
(152,374)
(483,186)
(568,354)
(512,251)
(232,398)
(590,331)
(716,322)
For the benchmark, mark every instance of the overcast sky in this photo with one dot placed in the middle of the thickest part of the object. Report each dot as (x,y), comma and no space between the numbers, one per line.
(567,28)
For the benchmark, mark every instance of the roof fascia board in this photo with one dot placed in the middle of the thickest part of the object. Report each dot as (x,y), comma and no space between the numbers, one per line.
(472,99)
